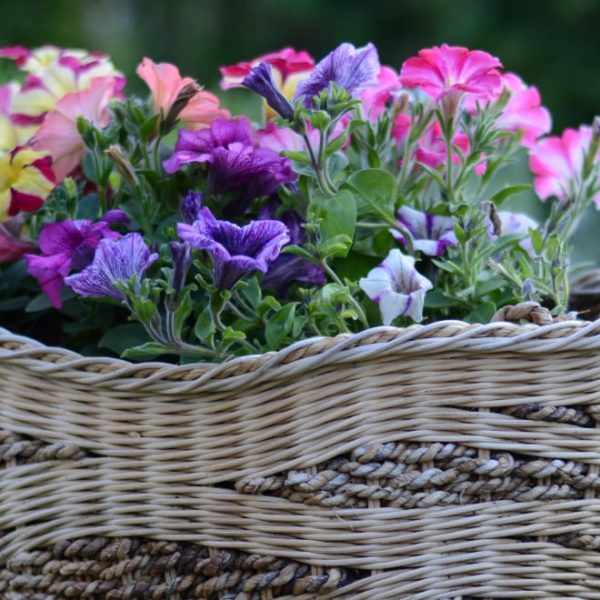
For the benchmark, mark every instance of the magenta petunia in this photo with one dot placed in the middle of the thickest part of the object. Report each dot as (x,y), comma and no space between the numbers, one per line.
(442,69)
(557,163)
(376,98)
(235,251)
(68,246)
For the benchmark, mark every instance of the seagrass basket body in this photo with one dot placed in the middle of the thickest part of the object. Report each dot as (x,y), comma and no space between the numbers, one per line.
(445,461)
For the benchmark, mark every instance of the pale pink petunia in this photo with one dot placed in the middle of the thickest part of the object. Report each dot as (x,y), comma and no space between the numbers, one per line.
(58,133)
(442,69)
(557,163)
(281,139)
(166,83)
(524,111)
(376,98)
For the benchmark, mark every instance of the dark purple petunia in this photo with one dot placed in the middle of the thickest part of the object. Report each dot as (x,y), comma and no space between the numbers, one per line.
(260,81)
(431,234)
(287,268)
(115,261)
(352,69)
(68,246)
(181,252)
(191,205)
(236,165)
(235,251)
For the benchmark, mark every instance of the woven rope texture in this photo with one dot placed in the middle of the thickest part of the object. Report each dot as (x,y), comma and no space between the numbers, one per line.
(447,461)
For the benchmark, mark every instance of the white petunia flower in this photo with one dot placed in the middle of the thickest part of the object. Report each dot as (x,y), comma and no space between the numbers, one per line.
(397,287)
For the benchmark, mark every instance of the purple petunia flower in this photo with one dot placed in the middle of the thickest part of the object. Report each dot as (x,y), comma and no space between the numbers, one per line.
(287,267)
(260,81)
(67,246)
(397,287)
(191,205)
(181,252)
(431,234)
(235,251)
(236,165)
(352,69)
(115,261)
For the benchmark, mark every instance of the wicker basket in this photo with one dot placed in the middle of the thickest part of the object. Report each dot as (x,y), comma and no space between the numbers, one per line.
(442,461)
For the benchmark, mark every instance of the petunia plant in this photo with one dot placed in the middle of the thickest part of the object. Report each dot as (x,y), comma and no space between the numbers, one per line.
(168,227)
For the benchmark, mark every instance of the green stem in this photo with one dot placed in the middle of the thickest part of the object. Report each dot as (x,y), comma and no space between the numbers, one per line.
(357,307)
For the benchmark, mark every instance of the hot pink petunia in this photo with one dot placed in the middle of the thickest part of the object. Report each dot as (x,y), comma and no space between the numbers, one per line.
(524,111)
(58,133)
(166,83)
(431,149)
(557,163)
(375,99)
(443,69)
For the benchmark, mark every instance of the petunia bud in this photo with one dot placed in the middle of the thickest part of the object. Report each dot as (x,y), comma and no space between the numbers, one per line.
(123,165)
(182,259)
(181,101)
(260,81)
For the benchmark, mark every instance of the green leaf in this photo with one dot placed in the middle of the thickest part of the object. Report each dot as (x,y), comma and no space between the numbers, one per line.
(184,310)
(301,157)
(89,207)
(16,303)
(460,234)
(145,351)
(536,240)
(507,192)
(148,128)
(337,221)
(205,326)
(375,191)
(483,313)
(336,163)
(336,144)
(298,251)
(122,337)
(279,326)
(39,303)
(252,292)
(437,299)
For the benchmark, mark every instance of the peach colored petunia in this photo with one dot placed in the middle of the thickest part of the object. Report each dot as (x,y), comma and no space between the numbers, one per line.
(58,133)
(166,83)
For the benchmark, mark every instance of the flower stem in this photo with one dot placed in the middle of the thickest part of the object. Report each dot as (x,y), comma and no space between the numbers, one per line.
(355,304)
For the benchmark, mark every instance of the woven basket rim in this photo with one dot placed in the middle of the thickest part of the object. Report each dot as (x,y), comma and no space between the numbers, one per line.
(441,336)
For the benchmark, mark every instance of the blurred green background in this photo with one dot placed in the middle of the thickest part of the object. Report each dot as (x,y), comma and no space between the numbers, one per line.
(554,44)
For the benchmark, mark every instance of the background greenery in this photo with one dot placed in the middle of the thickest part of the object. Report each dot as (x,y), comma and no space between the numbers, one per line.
(553,44)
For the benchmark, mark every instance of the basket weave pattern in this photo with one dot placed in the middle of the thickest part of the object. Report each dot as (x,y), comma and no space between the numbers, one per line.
(444,461)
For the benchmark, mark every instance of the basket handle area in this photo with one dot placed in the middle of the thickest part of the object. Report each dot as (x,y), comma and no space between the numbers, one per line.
(529,311)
